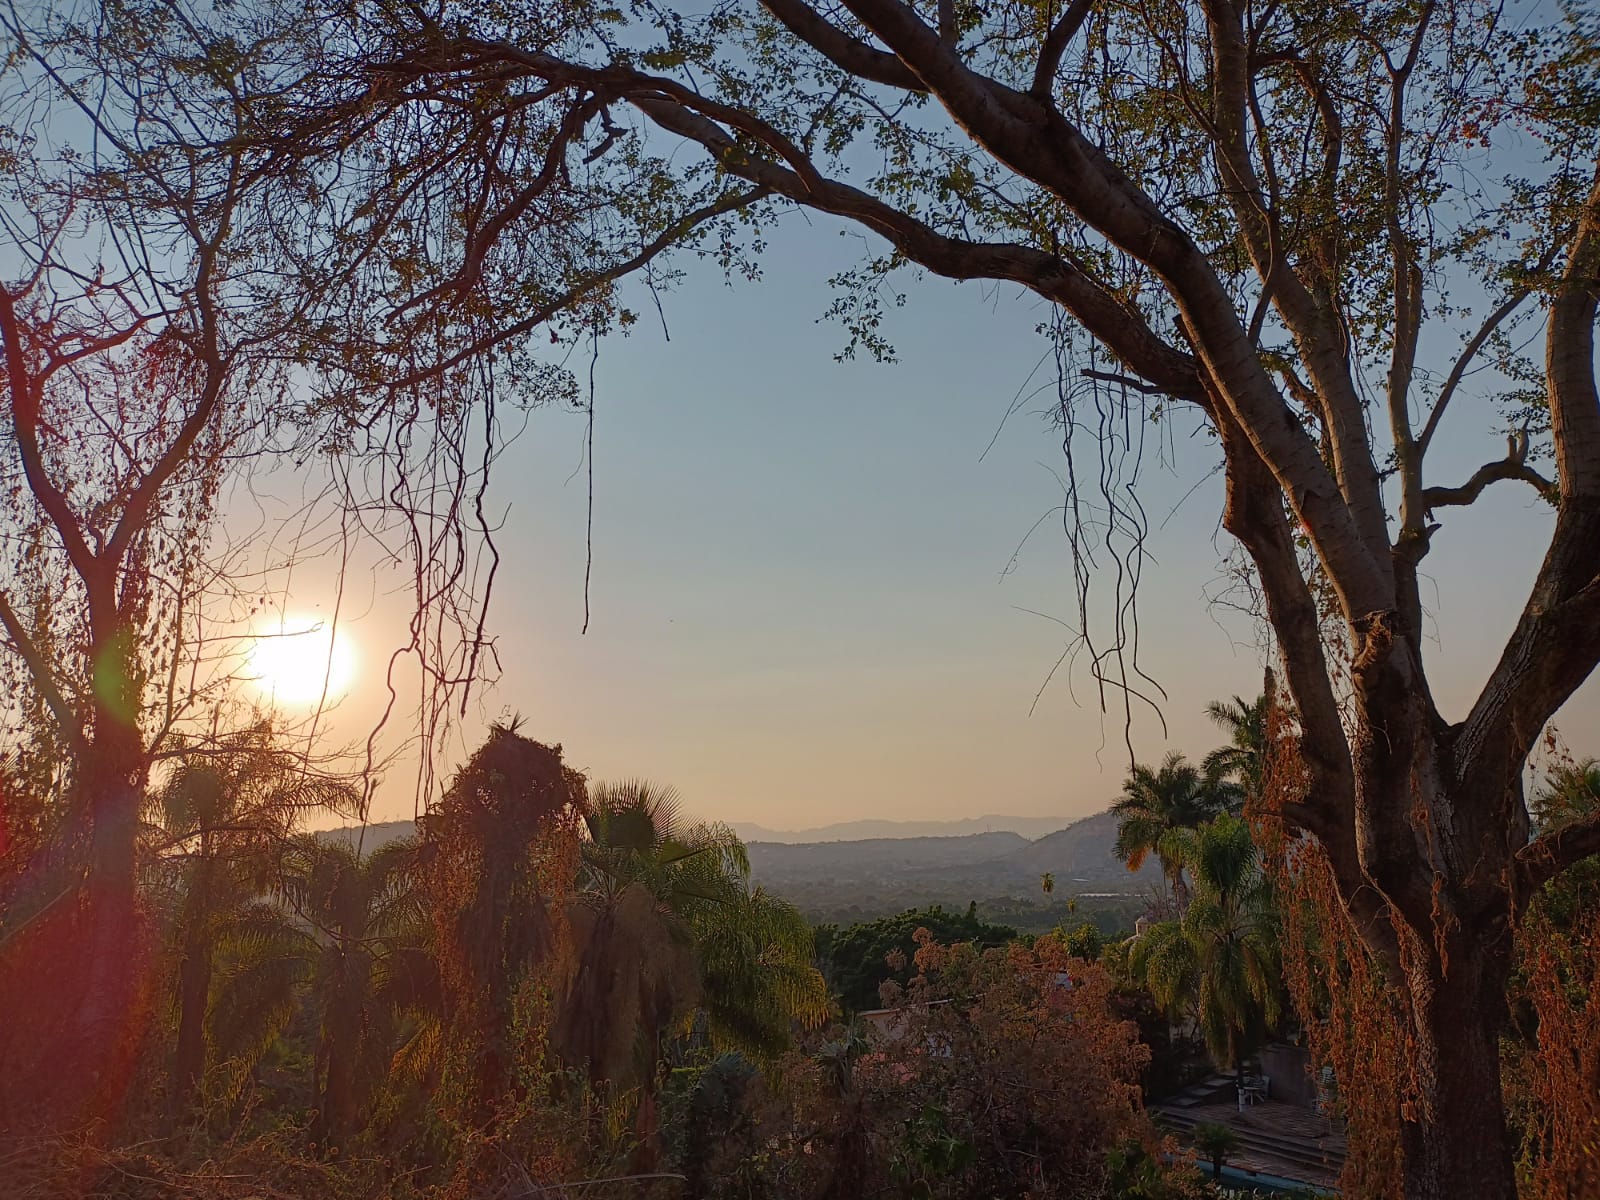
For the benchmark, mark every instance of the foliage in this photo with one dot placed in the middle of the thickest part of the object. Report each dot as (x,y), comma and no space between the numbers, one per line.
(1554,1053)
(219,824)
(999,1072)
(1083,941)
(1008,1070)
(1220,959)
(857,959)
(1156,806)
(1553,1086)
(361,921)
(1341,993)
(499,859)
(1215,1142)
(1244,758)
(667,928)
(1320,241)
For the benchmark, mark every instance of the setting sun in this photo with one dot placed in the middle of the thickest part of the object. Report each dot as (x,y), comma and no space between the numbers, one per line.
(301,660)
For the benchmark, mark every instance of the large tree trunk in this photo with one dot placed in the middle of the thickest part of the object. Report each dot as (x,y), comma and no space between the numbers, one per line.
(1453,1134)
(74,982)
(110,1019)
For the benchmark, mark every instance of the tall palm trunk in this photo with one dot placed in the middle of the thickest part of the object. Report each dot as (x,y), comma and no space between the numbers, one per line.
(338,1102)
(194,987)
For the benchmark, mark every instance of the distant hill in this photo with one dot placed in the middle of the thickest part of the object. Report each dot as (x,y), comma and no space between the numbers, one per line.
(1083,849)
(855,831)
(871,860)
(982,864)
(863,878)
(847,881)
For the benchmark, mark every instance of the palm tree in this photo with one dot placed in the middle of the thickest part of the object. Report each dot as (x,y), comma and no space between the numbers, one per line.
(1215,1142)
(666,923)
(1157,805)
(500,852)
(361,927)
(758,977)
(1219,961)
(216,826)
(1244,759)
(340,941)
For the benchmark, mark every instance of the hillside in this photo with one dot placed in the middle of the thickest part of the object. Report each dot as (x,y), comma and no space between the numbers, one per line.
(873,859)
(370,837)
(1079,856)
(864,878)
(854,831)
(853,881)
(1083,850)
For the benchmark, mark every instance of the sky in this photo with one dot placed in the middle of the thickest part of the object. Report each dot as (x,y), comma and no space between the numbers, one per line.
(805,602)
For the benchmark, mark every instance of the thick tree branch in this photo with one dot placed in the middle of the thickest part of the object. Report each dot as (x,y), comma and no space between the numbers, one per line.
(24,389)
(1036,141)
(1556,643)
(1549,854)
(1314,325)
(1055,46)
(43,679)
(1254,514)
(1569,358)
(1118,325)
(1553,649)
(678,110)
(1507,468)
(845,52)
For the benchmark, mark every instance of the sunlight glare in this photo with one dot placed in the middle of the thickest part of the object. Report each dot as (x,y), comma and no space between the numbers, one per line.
(301,660)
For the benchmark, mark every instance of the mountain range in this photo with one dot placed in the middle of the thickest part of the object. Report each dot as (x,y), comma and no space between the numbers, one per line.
(1079,857)
(854,831)
(864,877)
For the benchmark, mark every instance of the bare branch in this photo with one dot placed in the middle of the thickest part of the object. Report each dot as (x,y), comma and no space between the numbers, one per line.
(669,237)
(1507,468)
(1468,352)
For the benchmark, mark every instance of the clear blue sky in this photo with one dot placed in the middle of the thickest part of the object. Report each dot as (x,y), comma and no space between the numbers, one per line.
(799,614)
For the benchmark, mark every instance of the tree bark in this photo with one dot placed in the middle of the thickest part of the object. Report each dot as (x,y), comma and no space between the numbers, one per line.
(1453,1135)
